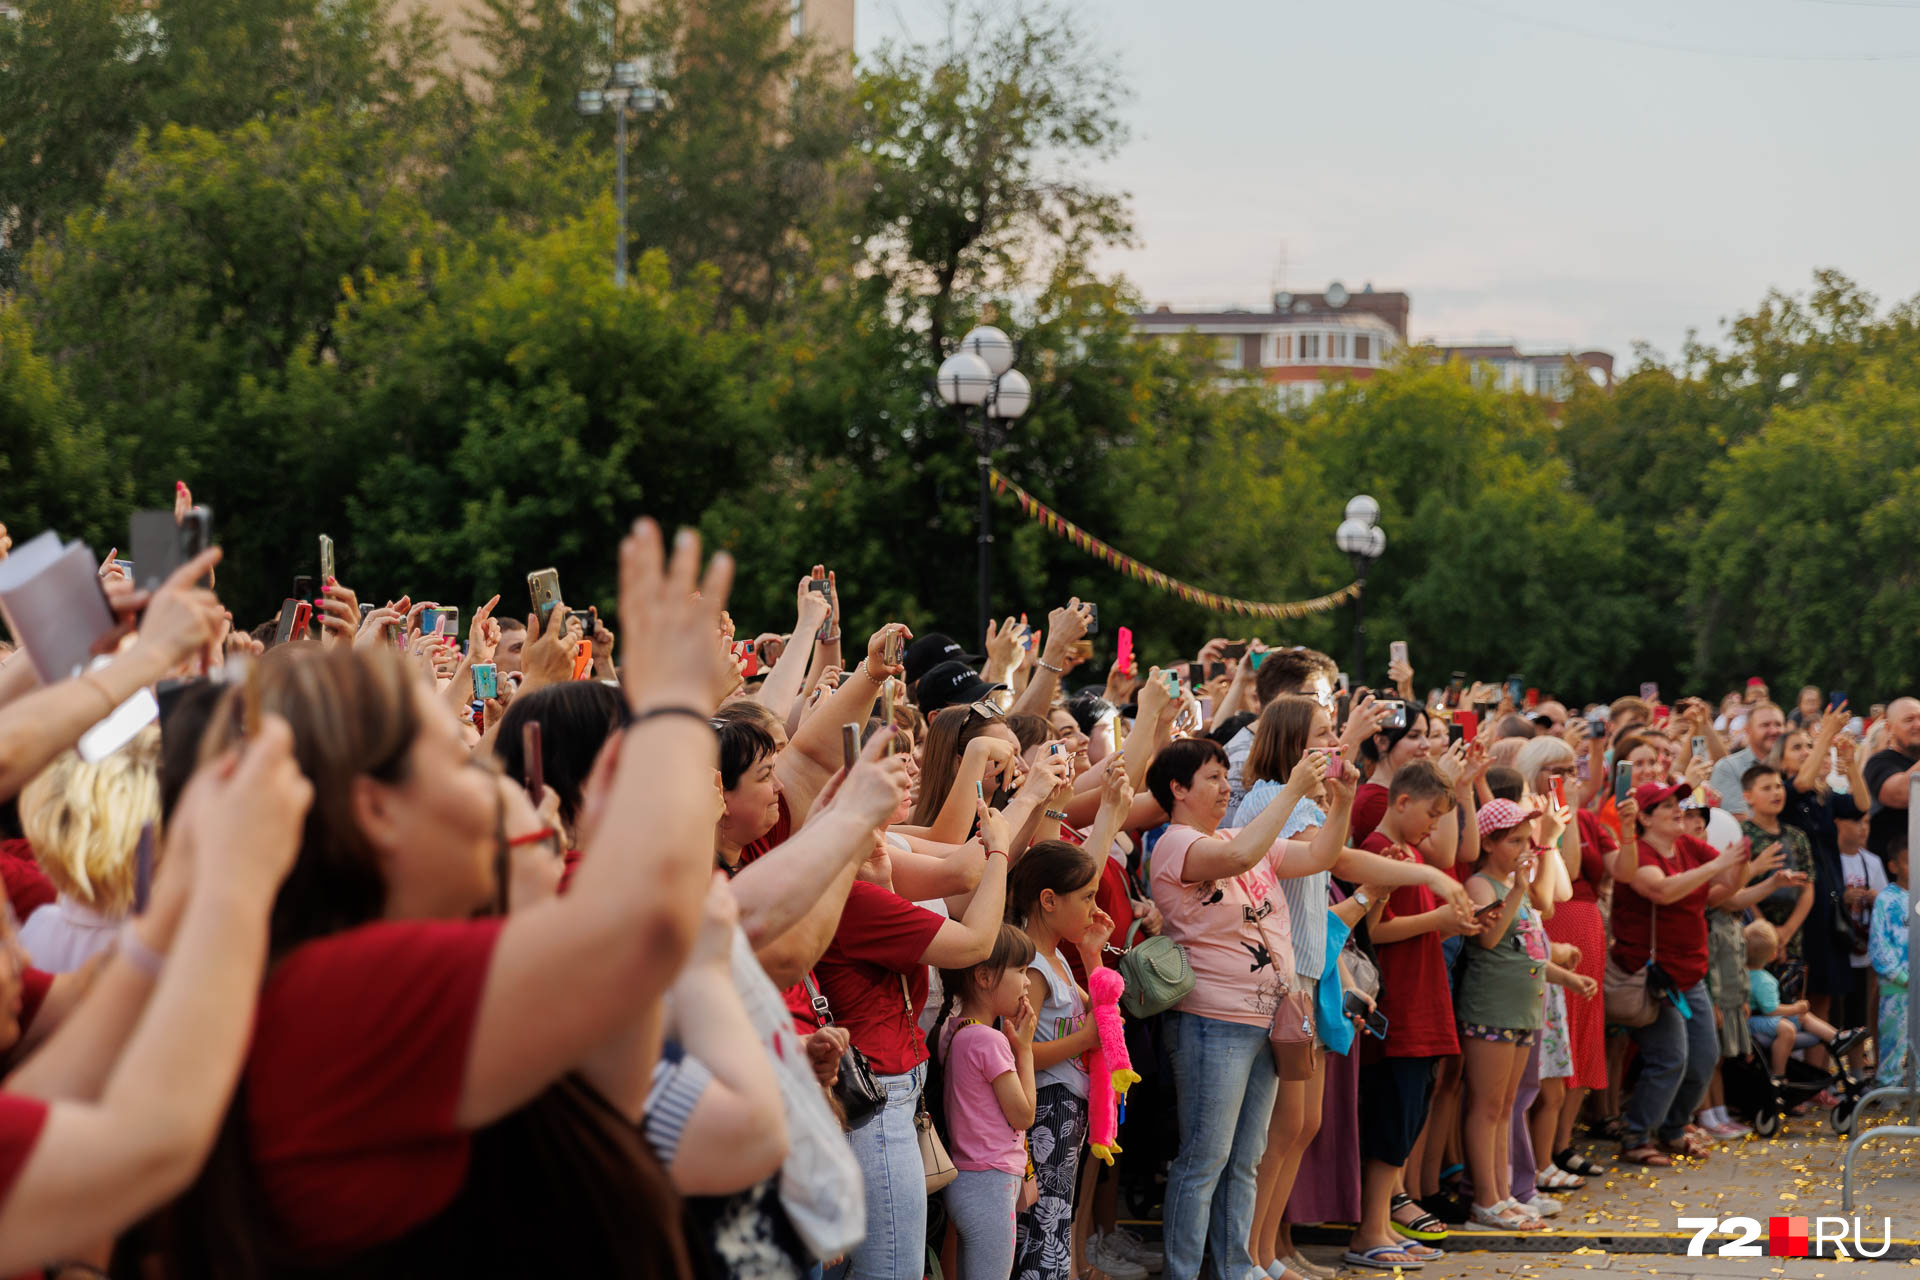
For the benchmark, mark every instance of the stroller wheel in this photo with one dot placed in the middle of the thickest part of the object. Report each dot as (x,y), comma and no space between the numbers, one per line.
(1843,1115)
(1766,1122)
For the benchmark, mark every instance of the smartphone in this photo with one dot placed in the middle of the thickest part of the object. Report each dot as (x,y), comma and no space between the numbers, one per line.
(1700,748)
(1374,1020)
(119,726)
(450,621)
(751,656)
(1259,658)
(1235,651)
(1125,659)
(1533,698)
(849,744)
(1396,714)
(486,680)
(894,647)
(143,869)
(326,559)
(1468,722)
(1650,691)
(1836,699)
(1081,651)
(283,632)
(1455,683)
(1489,911)
(1597,723)
(1456,732)
(887,695)
(125,567)
(1173,683)
(533,768)
(1622,782)
(1093,617)
(1559,790)
(1516,689)
(194,535)
(430,620)
(303,588)
(543,586)
(1213,671)
(582,659)
(154,539)
(1397,651)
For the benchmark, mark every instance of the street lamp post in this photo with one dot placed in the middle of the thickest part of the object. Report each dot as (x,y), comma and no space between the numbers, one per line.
(980,375)
(630,90)
(1364,541)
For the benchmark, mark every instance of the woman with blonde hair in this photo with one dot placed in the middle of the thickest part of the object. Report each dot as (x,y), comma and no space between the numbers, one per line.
(84,822)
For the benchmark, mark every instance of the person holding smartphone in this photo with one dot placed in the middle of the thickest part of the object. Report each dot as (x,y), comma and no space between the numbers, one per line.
(1659,917)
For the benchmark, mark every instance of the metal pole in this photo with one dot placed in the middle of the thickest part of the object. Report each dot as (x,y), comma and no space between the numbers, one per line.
(620,197)
(986,545)
(1358,676)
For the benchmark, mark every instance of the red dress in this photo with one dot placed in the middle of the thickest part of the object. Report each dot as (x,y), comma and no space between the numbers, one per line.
(1577,921)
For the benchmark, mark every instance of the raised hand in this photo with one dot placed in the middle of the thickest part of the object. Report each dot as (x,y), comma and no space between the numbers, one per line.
(877,665)
(1309,772)
(548,656)
(872,790)
(669,615)
(995,832)
(1001,641)
(1020,1028)
(183,620)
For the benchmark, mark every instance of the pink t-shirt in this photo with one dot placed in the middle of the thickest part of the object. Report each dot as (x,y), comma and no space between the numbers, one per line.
(978,1135)
(1237,938)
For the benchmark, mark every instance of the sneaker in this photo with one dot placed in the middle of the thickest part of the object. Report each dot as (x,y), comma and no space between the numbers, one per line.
(1104,1254)
(1137,1250)
(1728,1128)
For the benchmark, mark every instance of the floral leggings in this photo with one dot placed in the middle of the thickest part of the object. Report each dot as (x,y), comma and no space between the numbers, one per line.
(1043,1240)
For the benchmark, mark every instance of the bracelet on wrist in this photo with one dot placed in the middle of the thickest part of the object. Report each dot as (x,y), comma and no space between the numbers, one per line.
(637,718)
(1002,852)
(1043,663)
(1056,814)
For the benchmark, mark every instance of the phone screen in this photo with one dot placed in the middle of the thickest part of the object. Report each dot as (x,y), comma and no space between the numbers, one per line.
(326,558)
(1622,782)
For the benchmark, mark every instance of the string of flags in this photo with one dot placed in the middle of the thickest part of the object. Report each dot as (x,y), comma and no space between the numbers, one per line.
(1058,525)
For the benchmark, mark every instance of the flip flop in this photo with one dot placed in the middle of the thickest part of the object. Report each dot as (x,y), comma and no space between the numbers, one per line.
(1376,1258)
(1647,1154)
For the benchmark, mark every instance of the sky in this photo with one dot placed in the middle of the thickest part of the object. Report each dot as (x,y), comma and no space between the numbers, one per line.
(1561,174)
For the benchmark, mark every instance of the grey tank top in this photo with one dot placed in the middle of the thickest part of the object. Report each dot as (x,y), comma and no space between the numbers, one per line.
(1502,985)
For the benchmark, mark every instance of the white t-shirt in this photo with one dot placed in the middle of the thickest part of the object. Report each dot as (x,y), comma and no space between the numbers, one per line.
(1858,869)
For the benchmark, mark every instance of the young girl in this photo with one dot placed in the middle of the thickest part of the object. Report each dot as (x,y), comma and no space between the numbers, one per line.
(989,1099)
(1502,993)
(1050,894)
(1887,947)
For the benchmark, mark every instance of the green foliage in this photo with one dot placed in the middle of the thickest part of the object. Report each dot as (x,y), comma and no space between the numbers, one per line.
(272,247)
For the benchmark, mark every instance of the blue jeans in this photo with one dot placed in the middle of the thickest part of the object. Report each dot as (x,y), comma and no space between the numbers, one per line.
(1677,1057)
(888,1150)
(1224,1083)
(980,1204)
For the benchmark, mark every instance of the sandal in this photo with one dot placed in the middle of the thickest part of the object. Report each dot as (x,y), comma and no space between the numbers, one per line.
(1554,1178)
(1647,1154)
(1384,1257)
(1689,1144)
(1423,1226)
(1577,1165)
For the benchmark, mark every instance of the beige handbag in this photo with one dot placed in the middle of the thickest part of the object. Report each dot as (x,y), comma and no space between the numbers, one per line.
(1626,999)
(933,1152)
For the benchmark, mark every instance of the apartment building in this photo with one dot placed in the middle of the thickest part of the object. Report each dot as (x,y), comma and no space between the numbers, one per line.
(1308,340)
(1305,341)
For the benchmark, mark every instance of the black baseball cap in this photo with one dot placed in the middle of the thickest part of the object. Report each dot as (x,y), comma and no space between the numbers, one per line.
(1846,809)
(951,684)
(929,651)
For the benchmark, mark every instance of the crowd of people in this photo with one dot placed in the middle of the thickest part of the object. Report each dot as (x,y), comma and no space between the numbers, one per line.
(650,944)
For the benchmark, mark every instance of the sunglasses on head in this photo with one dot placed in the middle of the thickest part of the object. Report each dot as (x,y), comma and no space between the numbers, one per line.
(985,710)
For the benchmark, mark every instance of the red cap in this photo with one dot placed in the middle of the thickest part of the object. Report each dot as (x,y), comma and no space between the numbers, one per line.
(1755,680)
(1651,795)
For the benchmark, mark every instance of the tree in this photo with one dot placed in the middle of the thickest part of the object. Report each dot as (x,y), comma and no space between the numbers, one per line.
(55,467)
(970,146)
(1806,567)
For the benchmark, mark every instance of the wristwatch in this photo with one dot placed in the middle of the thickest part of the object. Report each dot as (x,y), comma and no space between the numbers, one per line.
(1360,896)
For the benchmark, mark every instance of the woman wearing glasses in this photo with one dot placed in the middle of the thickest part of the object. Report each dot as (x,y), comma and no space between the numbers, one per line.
(1584,848)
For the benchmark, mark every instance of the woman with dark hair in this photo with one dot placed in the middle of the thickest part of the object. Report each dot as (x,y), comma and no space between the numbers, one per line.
(431,1089)
(1381,756)
(576,718)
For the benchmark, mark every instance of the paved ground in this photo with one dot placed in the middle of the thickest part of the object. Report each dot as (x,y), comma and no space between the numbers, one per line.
(1525,1266)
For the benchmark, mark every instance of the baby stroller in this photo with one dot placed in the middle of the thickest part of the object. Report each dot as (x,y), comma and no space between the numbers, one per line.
(1751,1090)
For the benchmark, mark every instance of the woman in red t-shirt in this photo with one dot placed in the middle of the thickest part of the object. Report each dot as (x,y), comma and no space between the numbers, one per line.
(1660,915)
(873,978)
(115,1113)
(434,1089)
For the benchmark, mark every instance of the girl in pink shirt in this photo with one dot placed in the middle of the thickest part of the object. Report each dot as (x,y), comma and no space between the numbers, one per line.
(989,1098)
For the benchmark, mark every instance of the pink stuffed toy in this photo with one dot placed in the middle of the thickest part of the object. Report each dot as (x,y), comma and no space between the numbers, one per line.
(1110,1070)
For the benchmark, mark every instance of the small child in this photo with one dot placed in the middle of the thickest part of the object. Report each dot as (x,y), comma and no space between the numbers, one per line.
(989,1094)
(1887,949)
(1783,1025)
